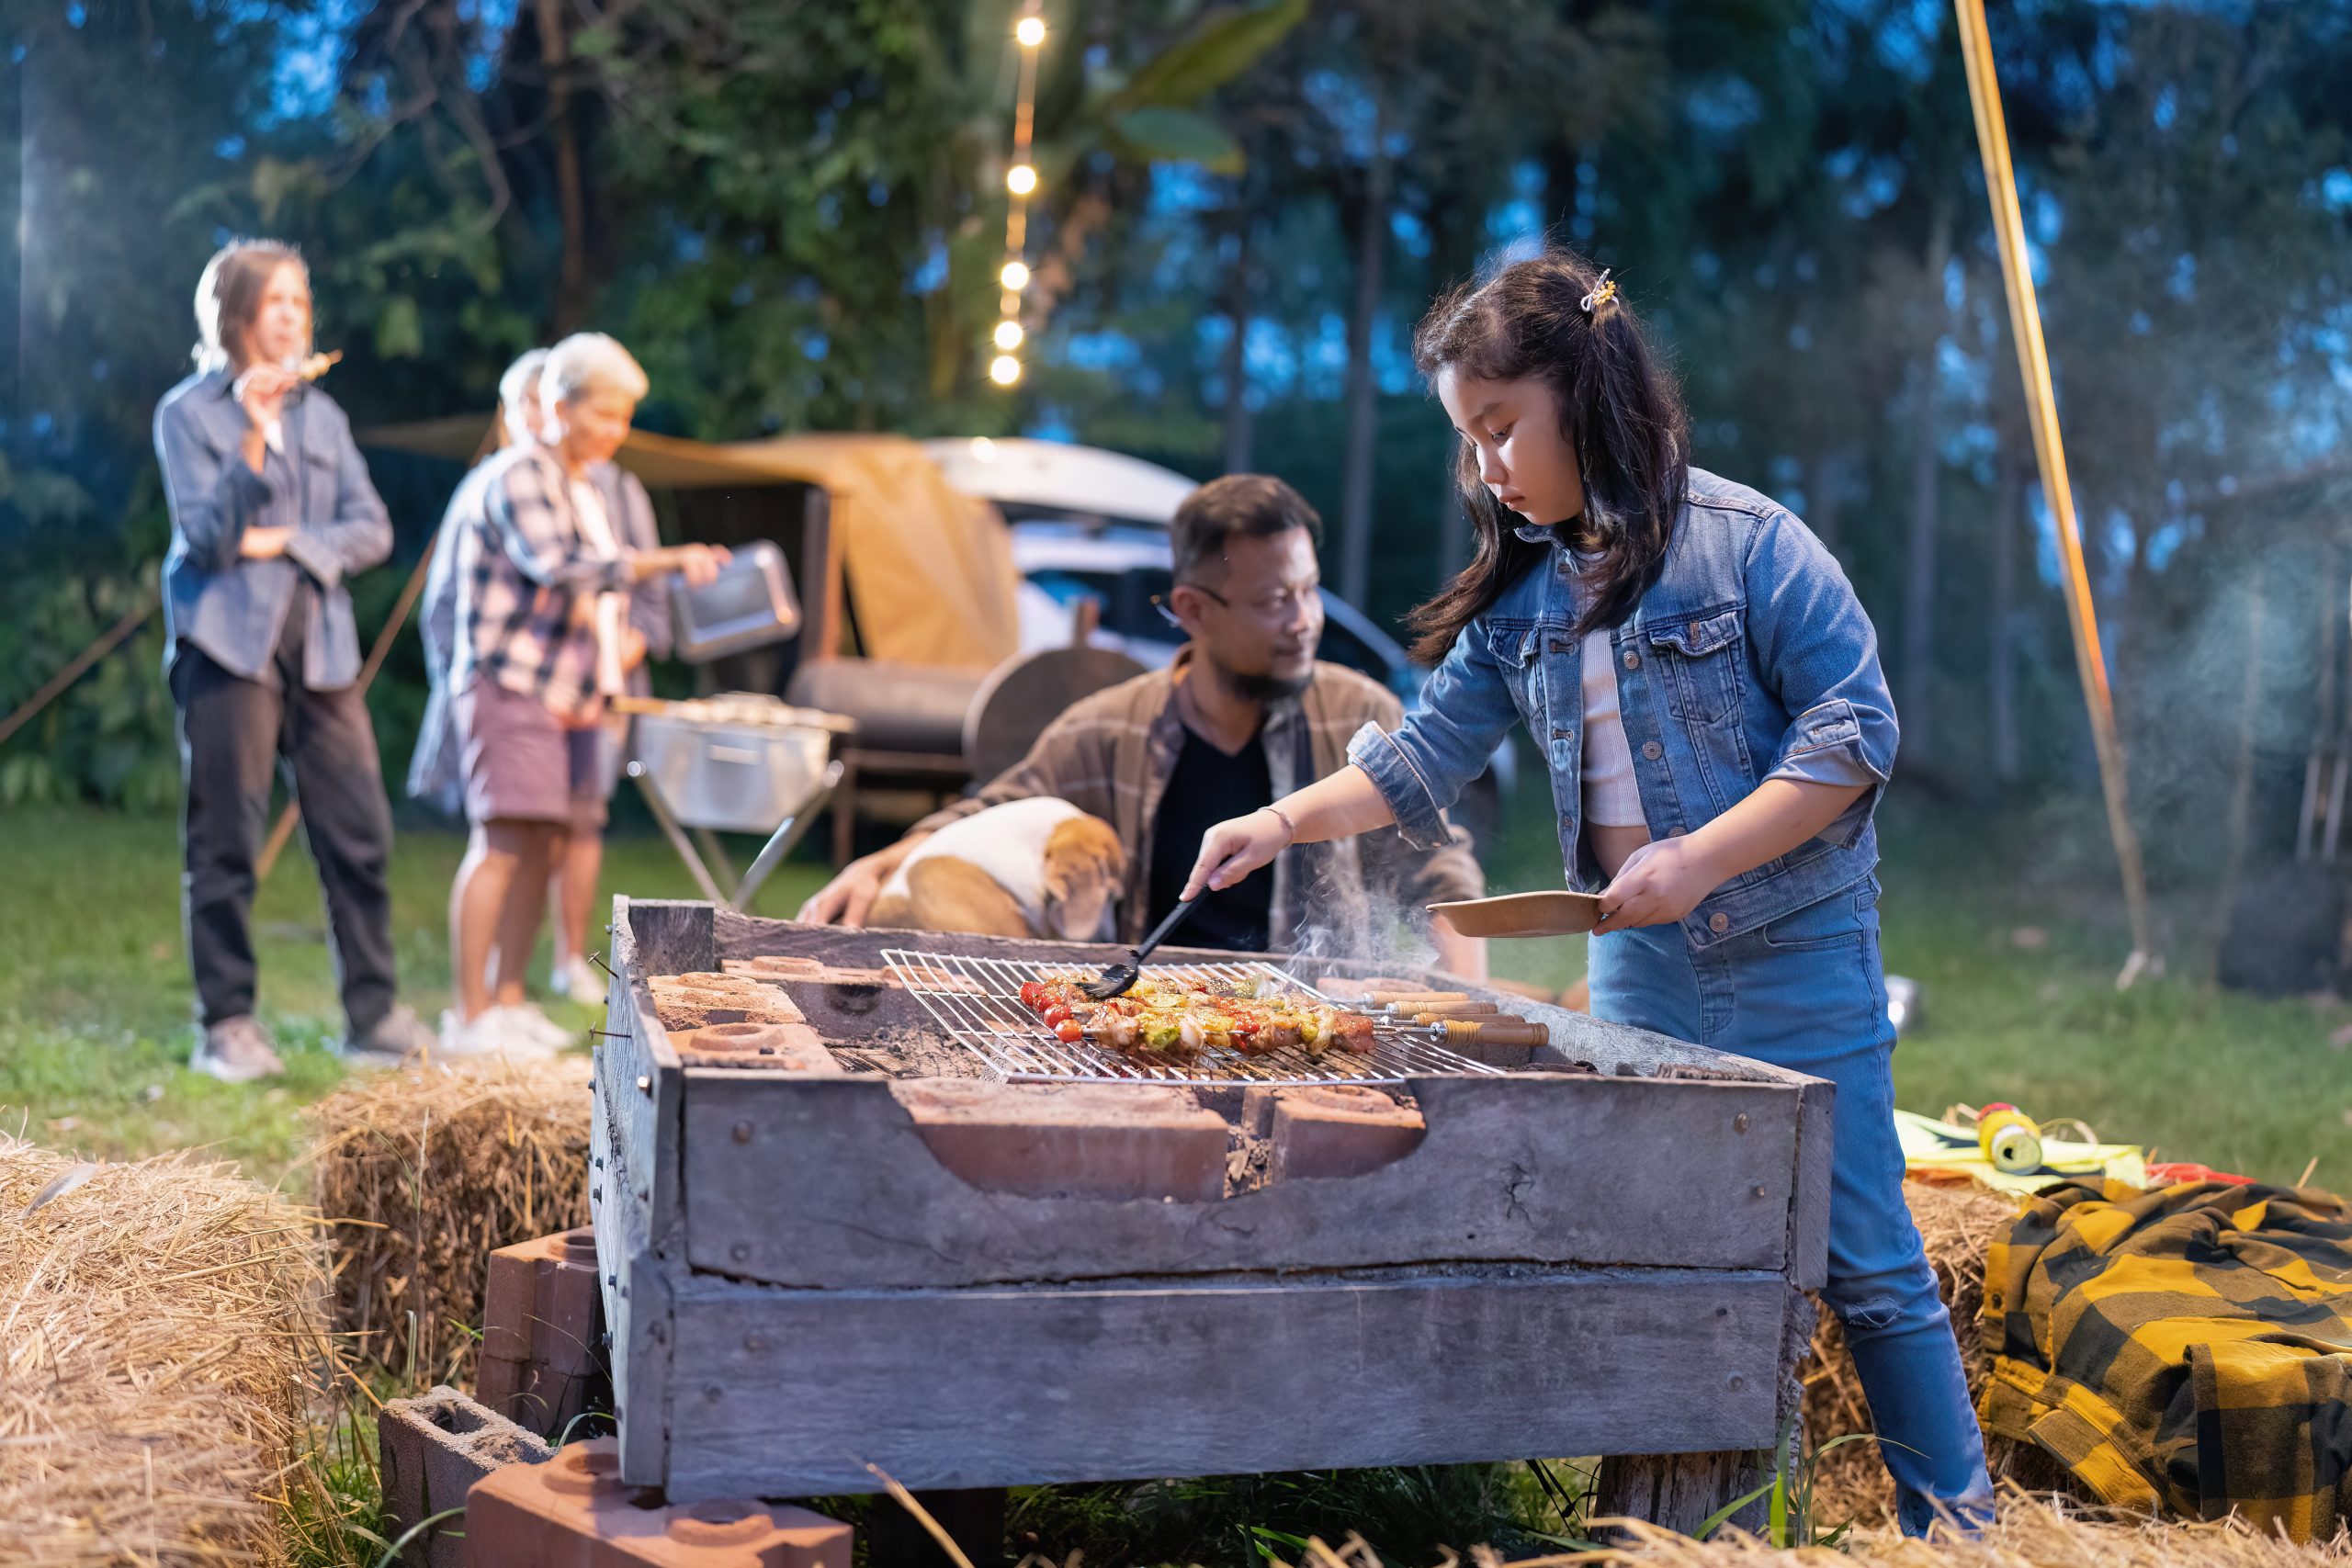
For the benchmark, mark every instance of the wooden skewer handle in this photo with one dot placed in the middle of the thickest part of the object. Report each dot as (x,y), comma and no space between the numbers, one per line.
(1483,1032)
(1423,1012)
(1414,999)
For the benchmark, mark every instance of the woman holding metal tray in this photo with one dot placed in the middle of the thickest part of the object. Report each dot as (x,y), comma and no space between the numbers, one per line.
(1707,689)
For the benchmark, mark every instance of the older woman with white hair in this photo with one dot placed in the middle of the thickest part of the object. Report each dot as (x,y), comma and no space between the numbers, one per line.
(434,774)
(542,644)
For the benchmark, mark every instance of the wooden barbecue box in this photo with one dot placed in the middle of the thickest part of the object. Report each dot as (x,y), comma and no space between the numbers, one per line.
(1598,1249)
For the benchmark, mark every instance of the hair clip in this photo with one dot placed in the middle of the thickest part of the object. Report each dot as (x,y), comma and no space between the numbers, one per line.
(1602,292)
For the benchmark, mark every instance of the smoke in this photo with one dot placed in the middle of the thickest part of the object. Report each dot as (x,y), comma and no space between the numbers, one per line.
(1346,917)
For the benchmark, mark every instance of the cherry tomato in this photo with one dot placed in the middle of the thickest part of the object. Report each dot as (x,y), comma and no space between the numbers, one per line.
(1056,1015)
(1034,996)
(1068,1032)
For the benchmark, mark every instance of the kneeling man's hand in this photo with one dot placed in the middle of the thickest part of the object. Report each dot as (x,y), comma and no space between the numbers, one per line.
(845,900)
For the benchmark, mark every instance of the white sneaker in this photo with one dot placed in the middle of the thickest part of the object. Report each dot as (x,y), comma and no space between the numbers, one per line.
(527,1019)
(579,979)
(491,1033)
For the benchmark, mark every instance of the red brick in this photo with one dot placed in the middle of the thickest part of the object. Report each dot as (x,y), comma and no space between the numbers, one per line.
(701,999)
(1071,1140)
(774,966)
(432,1451)
(1340,1131)
(573,1512)
(541,1330)
(785,1047)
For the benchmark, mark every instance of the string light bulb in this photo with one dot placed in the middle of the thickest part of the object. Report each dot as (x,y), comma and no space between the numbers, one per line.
(1014,276)
(1020,179)
(1008,335)
(1005,371)
(1030,30)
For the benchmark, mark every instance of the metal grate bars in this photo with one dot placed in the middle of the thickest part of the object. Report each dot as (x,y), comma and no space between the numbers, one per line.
(978,1001)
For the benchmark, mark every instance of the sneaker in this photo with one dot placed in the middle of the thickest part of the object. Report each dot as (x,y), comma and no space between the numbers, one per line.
(400,1036)
(236,1050)
(579,979)
(491,1033)
(526,1019)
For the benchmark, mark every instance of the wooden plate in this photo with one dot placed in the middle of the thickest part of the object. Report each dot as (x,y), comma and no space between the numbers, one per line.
(1523,914)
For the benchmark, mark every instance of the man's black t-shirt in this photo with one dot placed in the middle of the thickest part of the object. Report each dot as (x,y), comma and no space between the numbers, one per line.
(1207,788)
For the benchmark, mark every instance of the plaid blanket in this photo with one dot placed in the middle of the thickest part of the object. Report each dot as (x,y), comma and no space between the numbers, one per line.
(2188,1348)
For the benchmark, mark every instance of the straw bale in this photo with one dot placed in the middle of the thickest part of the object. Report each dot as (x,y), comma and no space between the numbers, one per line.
(421,1175)
(2032,1532)
(162,1333)
(1958,1223)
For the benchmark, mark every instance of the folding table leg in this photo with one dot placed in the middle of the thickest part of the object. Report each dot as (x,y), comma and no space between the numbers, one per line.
(787,833)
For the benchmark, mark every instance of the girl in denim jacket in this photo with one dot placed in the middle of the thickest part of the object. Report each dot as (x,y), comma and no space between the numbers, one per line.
(1706,691)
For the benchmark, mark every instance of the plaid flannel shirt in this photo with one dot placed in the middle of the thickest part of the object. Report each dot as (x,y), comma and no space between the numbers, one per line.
(2190,1348)
(1112,755)
(522,562)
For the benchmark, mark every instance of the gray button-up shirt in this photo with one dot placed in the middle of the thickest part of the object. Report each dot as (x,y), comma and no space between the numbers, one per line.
(234,608)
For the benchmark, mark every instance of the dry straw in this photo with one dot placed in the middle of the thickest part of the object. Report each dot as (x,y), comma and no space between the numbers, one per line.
(421,1175)
(2032,1532)
(161,1336)
(1958,1223)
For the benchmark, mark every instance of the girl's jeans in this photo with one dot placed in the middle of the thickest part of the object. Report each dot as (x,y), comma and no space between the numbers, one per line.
(1805,992)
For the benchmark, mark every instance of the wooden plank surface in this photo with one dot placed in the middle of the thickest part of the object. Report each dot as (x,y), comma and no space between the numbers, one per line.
(787,1393)
(636,1296)
(1809,1218)
(827,1183)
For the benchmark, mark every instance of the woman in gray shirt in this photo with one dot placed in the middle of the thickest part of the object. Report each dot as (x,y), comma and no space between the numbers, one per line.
(271,509)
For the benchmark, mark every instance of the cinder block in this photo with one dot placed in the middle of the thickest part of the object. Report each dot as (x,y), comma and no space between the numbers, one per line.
(1071,1140)
(573,1512)
(541,1330)
(789,1047)
(1340,1131)
(433,1451)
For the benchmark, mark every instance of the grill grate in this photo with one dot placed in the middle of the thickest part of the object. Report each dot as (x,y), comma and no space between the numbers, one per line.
(978,1001)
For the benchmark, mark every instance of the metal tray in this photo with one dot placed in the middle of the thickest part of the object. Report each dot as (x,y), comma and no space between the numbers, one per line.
(749,605)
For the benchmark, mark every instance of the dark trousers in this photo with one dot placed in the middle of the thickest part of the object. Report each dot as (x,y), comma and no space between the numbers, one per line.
(233,733)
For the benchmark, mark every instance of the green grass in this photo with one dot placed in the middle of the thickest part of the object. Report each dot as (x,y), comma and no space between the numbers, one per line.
(95,999)
(95,996)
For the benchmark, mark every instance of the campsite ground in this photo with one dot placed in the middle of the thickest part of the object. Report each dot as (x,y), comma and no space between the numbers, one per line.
(2017,975)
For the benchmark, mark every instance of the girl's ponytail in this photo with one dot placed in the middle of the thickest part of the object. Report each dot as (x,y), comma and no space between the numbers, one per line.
(1554,318)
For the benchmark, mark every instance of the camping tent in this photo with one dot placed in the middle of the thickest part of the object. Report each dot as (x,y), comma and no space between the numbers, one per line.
(925,570)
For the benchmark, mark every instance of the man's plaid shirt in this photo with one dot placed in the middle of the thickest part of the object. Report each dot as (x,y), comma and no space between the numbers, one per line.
(522,563)
(1112,755)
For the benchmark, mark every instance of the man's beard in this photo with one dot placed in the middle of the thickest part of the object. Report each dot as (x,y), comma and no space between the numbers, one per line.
(1264,689)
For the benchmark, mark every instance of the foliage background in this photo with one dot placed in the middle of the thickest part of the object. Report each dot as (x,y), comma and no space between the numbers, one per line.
(793,210)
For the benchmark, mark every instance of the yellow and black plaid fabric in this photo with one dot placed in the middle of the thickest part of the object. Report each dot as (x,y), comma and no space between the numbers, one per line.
(2190,1348)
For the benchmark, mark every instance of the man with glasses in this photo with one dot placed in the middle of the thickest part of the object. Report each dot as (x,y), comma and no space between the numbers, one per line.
(1244,715)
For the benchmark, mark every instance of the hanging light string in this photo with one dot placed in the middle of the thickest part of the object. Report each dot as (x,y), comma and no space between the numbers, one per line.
(1021,181)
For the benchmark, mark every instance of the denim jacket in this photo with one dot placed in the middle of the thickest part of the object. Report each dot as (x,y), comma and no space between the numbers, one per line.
(230,607)
(1749,660)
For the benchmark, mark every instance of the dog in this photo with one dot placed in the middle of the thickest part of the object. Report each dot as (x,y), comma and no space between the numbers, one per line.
(1034,868)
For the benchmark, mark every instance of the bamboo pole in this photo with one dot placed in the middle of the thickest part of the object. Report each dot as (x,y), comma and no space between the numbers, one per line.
(2049,452)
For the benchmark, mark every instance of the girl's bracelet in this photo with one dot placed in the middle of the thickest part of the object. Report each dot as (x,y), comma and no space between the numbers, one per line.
(1290,829)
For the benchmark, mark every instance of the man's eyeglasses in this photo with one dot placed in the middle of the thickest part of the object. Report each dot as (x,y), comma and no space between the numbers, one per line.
(1274,609)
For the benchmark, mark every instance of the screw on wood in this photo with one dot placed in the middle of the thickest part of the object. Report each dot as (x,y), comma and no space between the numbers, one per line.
(598,959)
(610,1035)
(644,1084)
(1740,1122)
